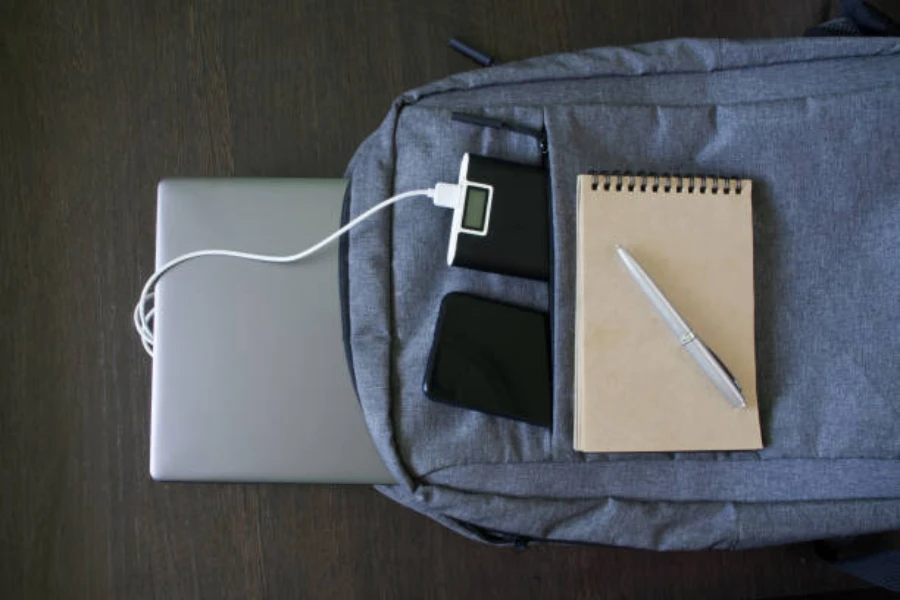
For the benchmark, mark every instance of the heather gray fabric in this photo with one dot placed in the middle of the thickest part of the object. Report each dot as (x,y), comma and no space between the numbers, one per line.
(816,124)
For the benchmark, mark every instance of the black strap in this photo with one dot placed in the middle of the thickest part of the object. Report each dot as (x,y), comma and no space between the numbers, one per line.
(870,558)
(869,19)
(858,18)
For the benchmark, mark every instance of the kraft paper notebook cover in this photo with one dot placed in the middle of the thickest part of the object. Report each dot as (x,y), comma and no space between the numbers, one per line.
(636,388)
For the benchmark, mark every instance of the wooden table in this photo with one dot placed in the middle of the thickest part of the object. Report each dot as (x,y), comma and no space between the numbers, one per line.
(98,101)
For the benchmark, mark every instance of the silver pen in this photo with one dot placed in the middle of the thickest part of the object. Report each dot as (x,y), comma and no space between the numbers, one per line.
(706,358)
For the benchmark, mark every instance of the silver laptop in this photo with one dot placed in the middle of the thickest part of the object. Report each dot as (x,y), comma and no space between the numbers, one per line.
(250,379)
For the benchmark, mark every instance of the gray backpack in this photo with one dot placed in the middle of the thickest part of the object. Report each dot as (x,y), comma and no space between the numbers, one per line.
(815,123)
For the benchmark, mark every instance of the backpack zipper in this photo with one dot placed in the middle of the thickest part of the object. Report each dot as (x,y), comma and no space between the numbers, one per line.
(539,135)
(490,536)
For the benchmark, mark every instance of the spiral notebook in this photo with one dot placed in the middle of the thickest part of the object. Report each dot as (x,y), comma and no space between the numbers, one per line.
(636,388)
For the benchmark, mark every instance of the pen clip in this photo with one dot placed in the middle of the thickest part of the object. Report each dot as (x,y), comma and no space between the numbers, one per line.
(725,368)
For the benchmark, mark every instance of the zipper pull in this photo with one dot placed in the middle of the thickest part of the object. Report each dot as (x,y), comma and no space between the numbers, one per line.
(540,135)
(471,53)
(493,123)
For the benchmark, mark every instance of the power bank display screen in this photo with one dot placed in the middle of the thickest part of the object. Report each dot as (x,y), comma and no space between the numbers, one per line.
(475,208)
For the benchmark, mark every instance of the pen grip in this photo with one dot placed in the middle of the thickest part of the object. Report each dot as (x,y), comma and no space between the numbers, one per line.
(716,372)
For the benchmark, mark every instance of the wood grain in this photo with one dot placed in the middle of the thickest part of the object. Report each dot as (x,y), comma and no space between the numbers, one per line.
(98,101)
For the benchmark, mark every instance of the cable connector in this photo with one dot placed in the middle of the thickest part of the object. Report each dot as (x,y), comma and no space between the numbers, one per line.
(447,195)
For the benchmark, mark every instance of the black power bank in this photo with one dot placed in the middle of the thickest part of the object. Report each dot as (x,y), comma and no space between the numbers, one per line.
(517,241)
(493,358)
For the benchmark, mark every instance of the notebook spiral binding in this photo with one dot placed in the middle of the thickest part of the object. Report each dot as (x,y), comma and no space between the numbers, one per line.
(640,181)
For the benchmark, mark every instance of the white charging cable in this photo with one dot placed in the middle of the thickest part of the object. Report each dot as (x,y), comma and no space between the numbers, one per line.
(144,311)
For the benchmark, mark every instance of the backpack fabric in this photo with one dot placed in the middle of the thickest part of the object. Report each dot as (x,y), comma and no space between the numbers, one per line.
(815,124)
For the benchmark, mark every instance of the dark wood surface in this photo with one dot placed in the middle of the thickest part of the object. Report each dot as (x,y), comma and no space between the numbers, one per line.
(98,101)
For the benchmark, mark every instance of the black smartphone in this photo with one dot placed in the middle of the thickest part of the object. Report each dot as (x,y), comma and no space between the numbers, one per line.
(491,357)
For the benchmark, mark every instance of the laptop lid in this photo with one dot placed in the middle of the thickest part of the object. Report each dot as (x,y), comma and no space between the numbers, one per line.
(250,380)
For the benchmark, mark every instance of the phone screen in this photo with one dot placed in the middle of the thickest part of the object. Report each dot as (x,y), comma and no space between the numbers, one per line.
(493,358)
